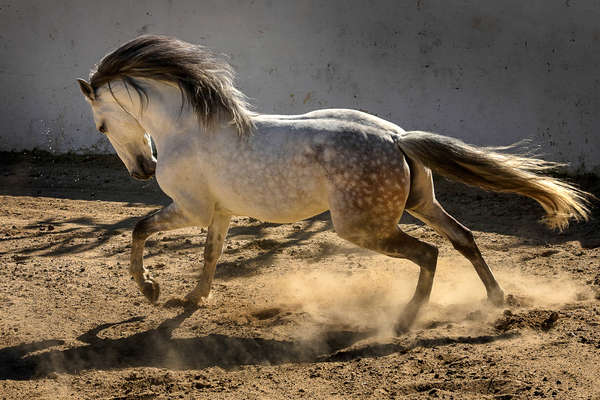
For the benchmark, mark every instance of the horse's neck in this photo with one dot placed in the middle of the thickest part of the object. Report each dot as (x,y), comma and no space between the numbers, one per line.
(164,114)
(168,121)
(165,119)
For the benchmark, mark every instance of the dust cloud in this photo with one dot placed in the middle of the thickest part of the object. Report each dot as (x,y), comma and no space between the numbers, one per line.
(371,299)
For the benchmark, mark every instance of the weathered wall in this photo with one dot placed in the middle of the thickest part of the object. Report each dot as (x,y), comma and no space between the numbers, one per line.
(489,72)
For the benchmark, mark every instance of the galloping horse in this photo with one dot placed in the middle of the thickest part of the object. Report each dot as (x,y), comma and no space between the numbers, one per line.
(217,159)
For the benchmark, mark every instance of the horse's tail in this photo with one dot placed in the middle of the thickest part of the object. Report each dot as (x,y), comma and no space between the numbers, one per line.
(488,168)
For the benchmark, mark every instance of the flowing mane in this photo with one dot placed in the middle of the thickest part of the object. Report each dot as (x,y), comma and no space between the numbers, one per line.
(205,80)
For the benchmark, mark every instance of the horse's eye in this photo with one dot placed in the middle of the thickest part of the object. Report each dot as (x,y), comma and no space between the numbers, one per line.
(102,128)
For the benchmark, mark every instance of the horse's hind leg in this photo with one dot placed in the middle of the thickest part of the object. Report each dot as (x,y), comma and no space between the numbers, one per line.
(165,219)
(463,241)
(366,201)
(399,244)
(366,214)
(423,205)
(395,243)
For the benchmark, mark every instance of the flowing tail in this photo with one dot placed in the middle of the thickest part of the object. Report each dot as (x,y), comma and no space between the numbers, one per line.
(488,168)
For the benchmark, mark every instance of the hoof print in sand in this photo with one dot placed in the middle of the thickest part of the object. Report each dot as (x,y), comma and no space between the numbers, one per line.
(542,320)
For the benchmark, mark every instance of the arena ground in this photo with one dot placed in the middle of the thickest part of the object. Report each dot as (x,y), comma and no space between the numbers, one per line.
(295,311)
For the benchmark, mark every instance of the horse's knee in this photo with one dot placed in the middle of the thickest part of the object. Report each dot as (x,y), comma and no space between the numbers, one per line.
(142,230)
(139,233)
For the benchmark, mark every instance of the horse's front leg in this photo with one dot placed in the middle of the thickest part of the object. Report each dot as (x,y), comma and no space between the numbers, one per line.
(217,231)
(165,219)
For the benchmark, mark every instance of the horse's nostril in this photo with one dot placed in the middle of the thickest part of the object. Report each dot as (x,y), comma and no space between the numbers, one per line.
(150,167)
(147,166)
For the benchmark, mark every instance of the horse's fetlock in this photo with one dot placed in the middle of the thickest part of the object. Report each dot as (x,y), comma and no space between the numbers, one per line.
(135,271)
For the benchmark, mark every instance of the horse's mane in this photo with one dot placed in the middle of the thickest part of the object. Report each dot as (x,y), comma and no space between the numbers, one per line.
(205,80)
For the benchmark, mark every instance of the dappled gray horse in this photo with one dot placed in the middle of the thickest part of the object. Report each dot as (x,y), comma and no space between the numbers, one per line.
(218,159)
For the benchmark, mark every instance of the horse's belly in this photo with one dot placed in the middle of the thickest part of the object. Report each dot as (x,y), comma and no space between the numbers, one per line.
(271,200)
(292,213)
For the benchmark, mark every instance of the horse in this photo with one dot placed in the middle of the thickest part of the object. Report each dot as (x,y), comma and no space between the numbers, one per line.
(217,159)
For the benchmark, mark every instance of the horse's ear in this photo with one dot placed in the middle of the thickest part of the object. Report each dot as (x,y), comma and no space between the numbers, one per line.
(86,89)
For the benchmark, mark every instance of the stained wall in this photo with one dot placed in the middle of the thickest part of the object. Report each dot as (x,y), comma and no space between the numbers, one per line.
(488,72)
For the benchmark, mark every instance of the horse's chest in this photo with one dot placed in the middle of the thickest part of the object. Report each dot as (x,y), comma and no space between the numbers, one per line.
(183,181)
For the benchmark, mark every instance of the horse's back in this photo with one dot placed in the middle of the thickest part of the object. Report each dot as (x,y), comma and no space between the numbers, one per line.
(293,167)
(332,118)
(359,163)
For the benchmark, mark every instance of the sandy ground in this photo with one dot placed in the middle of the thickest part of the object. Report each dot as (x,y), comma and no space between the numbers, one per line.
(295,311)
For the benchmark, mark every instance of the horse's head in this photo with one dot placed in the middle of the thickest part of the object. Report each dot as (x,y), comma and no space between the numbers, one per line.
(129,139)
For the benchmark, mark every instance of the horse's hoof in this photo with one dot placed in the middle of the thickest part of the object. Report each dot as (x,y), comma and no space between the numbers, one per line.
(180,303)
(401,328)
(496,298)
(151,290)
(404,324)
(193,301)
(197,296)
(190,305)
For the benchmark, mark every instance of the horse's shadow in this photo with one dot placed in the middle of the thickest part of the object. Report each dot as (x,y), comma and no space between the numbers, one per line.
(59,240)
(157,348)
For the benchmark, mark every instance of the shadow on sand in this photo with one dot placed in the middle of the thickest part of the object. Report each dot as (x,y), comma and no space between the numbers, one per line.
(157,348)
(82,234)
(59,241)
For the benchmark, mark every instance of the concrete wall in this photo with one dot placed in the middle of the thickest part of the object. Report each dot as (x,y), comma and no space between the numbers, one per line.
(489,72)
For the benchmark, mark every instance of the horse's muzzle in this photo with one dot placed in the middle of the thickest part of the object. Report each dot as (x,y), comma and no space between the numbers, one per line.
(145,169)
